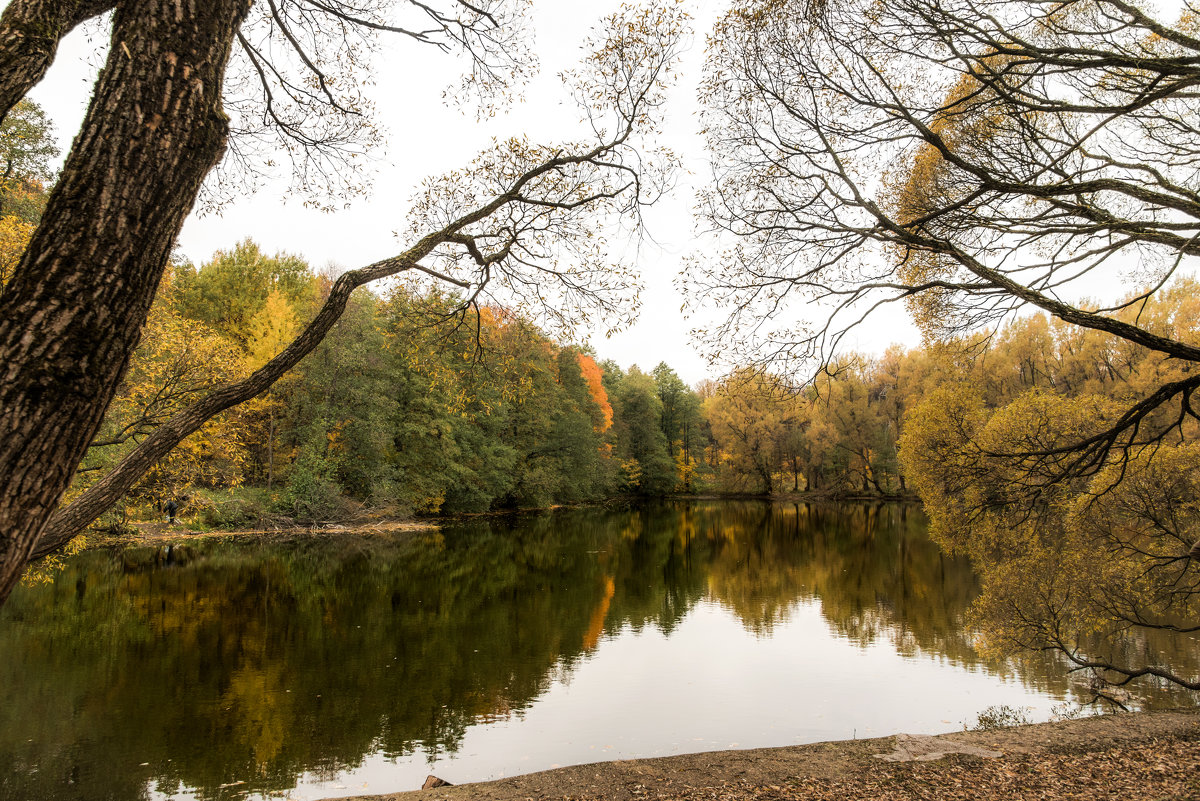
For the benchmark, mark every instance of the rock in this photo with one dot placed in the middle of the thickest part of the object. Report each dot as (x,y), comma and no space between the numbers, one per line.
(432,781)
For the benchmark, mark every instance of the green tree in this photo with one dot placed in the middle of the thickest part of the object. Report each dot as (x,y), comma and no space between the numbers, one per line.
(338,416)
(640,443)
(26,149)
(448,428)
(532,408)
(681,418)
(232,289)
(268,333)
(582,464)
(431,414)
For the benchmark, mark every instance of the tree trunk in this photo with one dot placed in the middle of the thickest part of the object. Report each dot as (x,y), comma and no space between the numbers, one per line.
(30,31)
(764,474)
(271,450)
(74,310)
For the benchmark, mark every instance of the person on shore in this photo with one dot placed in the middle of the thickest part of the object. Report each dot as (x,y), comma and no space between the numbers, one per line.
(171,507)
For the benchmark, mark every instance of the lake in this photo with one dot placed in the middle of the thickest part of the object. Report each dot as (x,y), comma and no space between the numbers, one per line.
(344,664)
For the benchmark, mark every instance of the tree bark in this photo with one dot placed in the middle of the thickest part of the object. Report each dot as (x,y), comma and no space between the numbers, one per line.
(74,310)
(30,31)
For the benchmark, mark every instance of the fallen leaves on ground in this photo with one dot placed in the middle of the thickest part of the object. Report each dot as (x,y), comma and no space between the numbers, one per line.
(1157,770)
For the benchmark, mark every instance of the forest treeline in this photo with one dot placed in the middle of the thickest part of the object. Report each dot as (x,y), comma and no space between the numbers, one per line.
(413,406)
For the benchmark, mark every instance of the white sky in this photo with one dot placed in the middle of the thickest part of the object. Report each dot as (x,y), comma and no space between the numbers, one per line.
(436,139)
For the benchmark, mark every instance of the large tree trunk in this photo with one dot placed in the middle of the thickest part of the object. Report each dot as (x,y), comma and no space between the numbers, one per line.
(74,310)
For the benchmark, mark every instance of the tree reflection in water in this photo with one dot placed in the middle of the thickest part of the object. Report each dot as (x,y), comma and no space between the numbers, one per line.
(217,663)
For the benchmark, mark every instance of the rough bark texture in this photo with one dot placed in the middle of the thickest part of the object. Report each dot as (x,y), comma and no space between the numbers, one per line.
(30,31)
(74,310)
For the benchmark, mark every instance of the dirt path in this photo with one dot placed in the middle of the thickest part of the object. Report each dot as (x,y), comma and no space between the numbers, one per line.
(1135,757)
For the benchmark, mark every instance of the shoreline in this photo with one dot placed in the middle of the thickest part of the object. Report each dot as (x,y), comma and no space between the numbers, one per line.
(158,534)
(161,533)
(1127,755)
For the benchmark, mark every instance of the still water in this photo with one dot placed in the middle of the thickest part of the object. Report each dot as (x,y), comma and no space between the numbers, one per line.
(346,665)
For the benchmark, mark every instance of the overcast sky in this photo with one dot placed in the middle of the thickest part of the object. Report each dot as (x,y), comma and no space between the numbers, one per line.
(425,137)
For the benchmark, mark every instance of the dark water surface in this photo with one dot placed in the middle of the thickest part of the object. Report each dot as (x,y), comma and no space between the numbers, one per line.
(344,664)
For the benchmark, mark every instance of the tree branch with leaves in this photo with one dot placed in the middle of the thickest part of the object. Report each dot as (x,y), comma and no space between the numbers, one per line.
(974,160)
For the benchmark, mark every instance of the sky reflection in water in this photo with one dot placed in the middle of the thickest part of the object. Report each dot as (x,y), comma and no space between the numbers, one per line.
(346,665)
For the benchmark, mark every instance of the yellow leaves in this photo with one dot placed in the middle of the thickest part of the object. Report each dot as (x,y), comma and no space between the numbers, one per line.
(178,361)
(257,692)
(271,329)
(334,437)
(15,234)
(630,471)
(48,567)
(1039,421)
(1144,516)
(214,456)
(1070,562)
(928,185)
(971,463)
(747,413)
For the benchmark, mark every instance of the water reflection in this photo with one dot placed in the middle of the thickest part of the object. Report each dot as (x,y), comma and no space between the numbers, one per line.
(225,669)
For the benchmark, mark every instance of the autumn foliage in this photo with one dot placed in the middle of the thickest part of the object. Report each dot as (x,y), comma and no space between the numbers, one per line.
(591,374)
